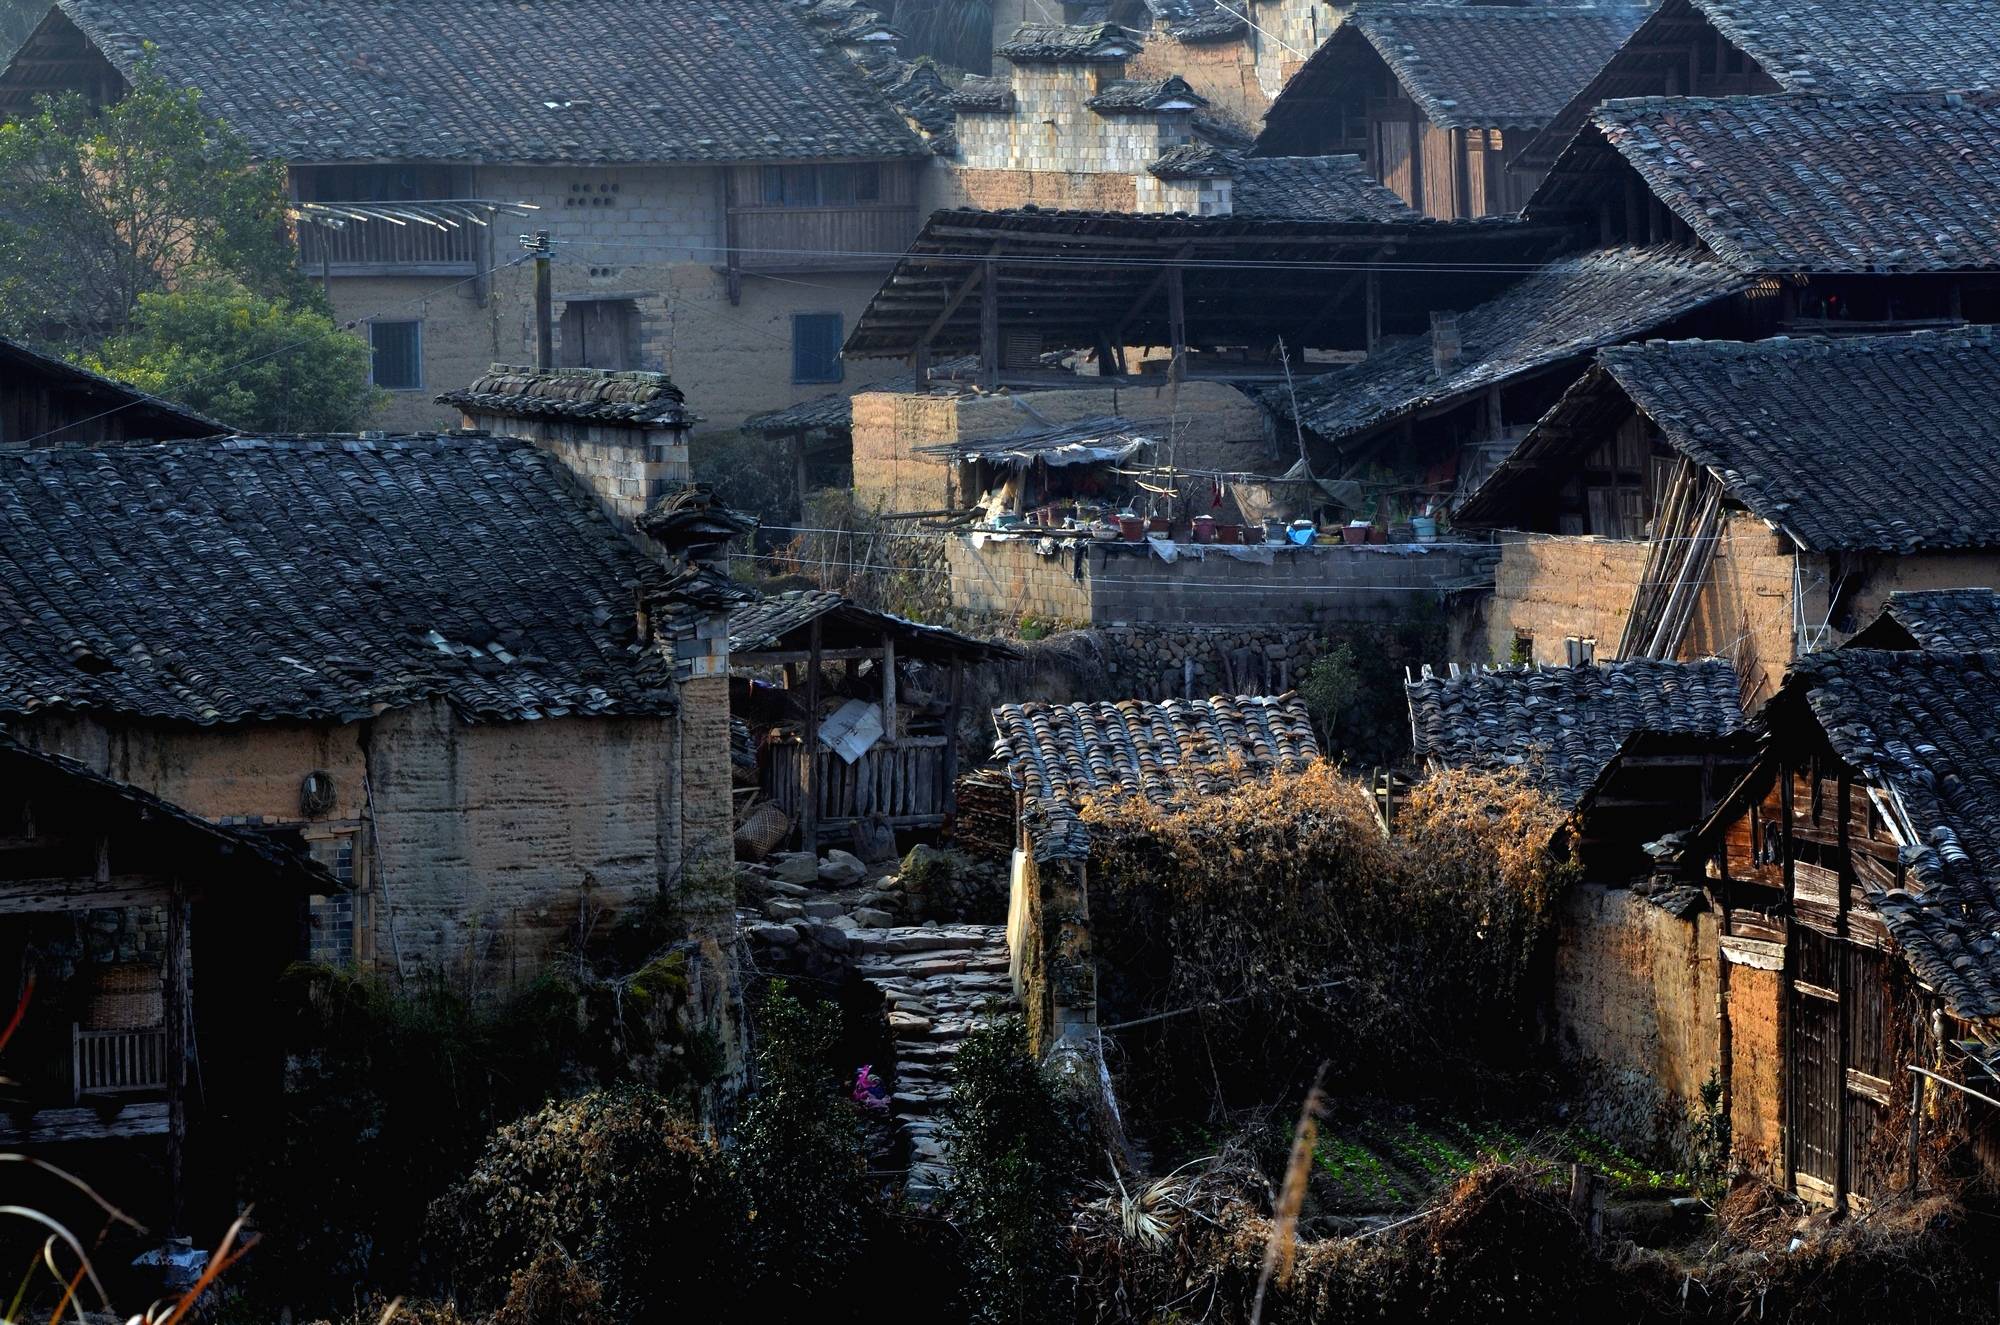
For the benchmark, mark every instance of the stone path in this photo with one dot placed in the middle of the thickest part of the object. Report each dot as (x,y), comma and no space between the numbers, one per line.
(939,981)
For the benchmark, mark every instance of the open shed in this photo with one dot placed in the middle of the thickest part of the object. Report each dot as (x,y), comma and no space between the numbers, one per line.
(888,751)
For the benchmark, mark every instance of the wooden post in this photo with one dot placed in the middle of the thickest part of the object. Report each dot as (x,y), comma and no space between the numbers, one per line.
(951,705)
(545,352)
(1177,324)
(179,1015)
(809,766)
(989,325)
(1372,313)
(889,689)
(1916,1131)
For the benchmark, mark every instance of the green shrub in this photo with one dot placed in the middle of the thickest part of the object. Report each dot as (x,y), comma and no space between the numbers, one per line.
(799,1156)
(1016,1162)
(616,1181)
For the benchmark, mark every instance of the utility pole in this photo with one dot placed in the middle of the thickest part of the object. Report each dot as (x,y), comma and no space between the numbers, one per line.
(545,338)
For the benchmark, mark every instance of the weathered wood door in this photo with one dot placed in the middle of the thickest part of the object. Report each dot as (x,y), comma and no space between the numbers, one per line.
(1814,1063)
(1839,1062)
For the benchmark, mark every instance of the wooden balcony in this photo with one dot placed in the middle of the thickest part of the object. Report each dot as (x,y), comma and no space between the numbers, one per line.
(860,236)
(375,246)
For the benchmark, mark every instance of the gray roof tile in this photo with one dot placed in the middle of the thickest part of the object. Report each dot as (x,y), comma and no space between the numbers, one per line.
(614,81)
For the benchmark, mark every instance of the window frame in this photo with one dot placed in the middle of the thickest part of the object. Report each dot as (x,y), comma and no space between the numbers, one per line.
(416,354)
(838,369)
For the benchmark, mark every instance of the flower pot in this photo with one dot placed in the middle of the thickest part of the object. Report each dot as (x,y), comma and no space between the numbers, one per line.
(1159,524)
(1131,528)
(1204,529)
(1354,533)
(1229,533)
(1377,534)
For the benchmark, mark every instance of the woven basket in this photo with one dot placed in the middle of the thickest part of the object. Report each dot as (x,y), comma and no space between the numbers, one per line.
(762,831)
(126,997)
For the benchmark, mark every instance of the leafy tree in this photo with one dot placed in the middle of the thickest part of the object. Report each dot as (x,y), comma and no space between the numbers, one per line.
(1016,1161)
(145,195)
(800,1160)
(253,363)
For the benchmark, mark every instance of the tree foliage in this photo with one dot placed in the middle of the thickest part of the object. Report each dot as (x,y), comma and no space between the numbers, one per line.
(1016,1162)
(104,205)
(254,363)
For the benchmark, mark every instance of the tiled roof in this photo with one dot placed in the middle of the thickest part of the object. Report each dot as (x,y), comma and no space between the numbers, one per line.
(1313,186)
(1057,43)
(1948,620)
(1562,726)
(1195,160)
(225,852)
(615,81)
(584,395)
(1819,184)
(1492,66)
(1921,724)
(1862,443)
(983,93)
(1198,20)
(1843,47)
(914,87)
(764,625)
(248,579)
(1145,94)
(140,415)
(1856,46)
(1567,309)
(1061,753)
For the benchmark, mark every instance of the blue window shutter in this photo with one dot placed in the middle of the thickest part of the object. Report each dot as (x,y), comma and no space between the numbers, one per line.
(816,341)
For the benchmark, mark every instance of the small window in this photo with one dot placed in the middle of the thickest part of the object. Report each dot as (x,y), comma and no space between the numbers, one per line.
(816,341)
(399,355)
(332,916)
(1524,649)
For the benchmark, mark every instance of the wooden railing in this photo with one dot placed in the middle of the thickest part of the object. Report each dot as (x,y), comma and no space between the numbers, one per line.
(379,247)
(127,1062)
(867,235)
(902,783)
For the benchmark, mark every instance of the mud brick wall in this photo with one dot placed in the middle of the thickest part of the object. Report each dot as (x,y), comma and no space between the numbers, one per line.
(1756,1073)
(1551,587)
(1127,585)
(481,848)
(1635,1013)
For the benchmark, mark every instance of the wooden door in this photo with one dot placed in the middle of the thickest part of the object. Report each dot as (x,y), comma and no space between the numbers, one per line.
(1813,1061)
(600,333)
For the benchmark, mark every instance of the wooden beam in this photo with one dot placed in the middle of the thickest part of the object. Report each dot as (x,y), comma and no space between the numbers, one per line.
(24,896)
(86,1123)
(792,657)
(1176,324)
(888,690)
(808,782)
(179,991)
(989,326)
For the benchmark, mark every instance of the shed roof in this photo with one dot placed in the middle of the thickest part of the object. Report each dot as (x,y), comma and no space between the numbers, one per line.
(1848,47)
(1071,276)
(1813,434)
(1564,311)
(1920,724)
(1305,187)
(226,853)
(611,81)
(1562,726)
(1948,620)
(1799,183)
(779,623)
(138,414)
(1471,66)
(577,395)
(328,578)
(1059,754)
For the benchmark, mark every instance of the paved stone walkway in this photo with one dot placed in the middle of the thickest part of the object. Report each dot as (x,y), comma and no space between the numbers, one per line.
(939,981)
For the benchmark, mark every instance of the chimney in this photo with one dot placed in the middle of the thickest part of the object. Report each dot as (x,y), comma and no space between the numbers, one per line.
(1444,343)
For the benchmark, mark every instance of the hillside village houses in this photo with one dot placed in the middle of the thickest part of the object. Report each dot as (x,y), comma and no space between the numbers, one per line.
(723,189)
